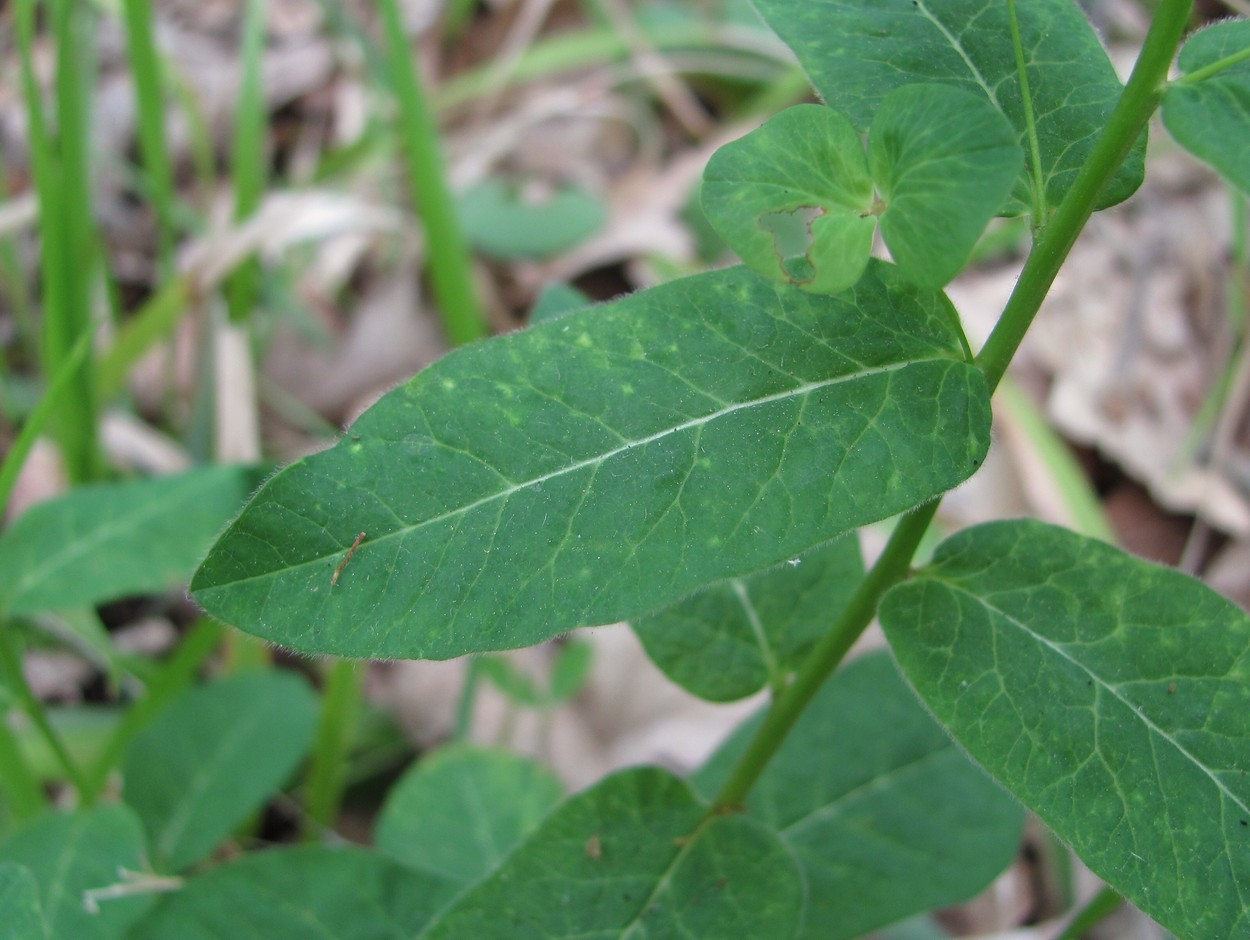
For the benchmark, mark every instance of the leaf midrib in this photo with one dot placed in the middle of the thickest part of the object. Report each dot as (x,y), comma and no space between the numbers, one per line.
(955,44)
(843,801)
(1111,689)
(796,392)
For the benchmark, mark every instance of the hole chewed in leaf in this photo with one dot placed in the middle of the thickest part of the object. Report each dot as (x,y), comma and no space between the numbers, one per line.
(791,232)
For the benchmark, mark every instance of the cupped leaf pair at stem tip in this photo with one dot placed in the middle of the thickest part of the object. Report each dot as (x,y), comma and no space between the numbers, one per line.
(799,200)
(858,52)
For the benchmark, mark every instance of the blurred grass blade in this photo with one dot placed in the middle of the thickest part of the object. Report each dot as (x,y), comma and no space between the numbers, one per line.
(60,164)
(62,381)
(450,265)
(149,85)
(249,161)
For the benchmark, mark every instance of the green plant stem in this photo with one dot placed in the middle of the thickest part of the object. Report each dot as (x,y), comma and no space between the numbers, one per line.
(468,698)
(1101,906)
(340,709)
(21,787)
(1128,119)
(175,675)
(11,666)
(63,380)
(1138,101)
(450,263)
(150,102)
(1030,119)
(151,323)
(889,569)
(1214,68)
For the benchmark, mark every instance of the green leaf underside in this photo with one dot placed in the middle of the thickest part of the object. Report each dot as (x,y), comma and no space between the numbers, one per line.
(598,466)
(100,543)
(19,904)
(1211,118)
(304,893)
(499,220)
(944,160)
(617,862)
(70,853)
(1110,695)
(457,813)
(885,814)
(212,758)
(793,199)
(857,51)
(731,640)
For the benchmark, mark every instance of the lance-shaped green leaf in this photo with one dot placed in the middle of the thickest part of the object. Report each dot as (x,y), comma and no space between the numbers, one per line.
(731,640)
(1211,117)
(944,161)
(298,894)
(99,543)
(19,904)
(795,198)
(212,757)
(635,856)
(1112,696)
(71,854)
(858,51)
(594,467)
(885,815)
(457,813)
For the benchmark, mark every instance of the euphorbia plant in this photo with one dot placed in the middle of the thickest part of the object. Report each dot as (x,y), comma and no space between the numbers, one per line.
(690,457)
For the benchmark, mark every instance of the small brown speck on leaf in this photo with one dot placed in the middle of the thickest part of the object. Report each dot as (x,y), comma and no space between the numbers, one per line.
(594,848)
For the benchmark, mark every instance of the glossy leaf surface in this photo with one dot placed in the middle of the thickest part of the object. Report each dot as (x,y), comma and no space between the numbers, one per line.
(72,853)
(99,543)
(306,893)
(621,860)
(885,815)
(594,467)
(1112,696)
(458,812)
(736,637)
(857,51)
(1211,118)
(212,757)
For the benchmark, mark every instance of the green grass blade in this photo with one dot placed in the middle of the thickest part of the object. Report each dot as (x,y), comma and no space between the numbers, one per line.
(62,382)
(60,170)
(149,84)
(450,264)
(250,160)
